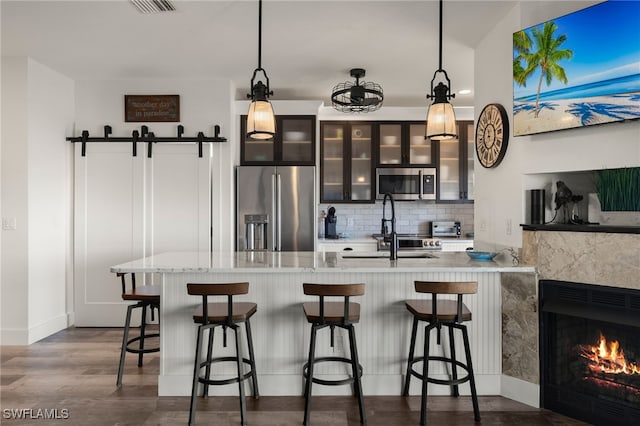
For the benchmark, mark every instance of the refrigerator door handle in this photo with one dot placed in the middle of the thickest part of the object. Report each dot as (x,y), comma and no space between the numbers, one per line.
(279,208)
(274,213)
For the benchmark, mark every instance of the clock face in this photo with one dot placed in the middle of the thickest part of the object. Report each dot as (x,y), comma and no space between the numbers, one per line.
(492,135)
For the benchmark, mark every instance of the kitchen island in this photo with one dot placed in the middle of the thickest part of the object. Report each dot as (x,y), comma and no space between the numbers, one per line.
(280,331)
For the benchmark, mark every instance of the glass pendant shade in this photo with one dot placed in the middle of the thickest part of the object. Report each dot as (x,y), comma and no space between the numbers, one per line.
(441,121)
(261,122)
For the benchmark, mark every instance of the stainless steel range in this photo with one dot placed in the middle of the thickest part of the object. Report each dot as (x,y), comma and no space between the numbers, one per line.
(410,242)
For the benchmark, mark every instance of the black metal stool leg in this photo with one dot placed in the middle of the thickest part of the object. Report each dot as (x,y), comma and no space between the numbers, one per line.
(125,339)
(143,330)
(207,373)
(454,371)
(254,374)
(472,382)
(412,348)
(239,362)
(425,375)
(355,364)
(196,375)
(307,392)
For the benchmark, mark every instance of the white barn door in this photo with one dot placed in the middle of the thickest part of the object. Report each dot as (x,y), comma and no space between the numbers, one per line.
(129,207)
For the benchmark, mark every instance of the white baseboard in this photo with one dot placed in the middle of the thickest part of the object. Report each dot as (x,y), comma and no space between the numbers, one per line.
(521,391)
(47,328)
(14,337)
(24,336)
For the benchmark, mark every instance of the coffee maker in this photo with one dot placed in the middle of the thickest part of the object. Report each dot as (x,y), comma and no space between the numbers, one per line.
(330,224)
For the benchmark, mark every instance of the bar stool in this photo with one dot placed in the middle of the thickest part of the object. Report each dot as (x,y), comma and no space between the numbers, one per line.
(227,314)
(438,313)
(146,296)
(341,314)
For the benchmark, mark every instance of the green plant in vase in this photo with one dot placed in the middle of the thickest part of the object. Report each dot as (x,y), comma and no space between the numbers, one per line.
(619,189)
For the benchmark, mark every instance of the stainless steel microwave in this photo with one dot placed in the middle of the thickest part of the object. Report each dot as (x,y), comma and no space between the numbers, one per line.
(406,183)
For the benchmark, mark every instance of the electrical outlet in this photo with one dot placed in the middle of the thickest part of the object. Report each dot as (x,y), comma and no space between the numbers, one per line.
(508,227)
(9,223)
(483,225)
(351,221)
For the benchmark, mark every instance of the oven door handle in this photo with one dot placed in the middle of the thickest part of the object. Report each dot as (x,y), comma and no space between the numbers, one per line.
(421,185)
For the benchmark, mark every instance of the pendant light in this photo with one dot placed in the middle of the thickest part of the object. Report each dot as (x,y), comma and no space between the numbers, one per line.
(441,120)
(261,122)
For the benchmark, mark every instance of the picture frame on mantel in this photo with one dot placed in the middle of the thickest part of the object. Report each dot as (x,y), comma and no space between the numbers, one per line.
(151,108)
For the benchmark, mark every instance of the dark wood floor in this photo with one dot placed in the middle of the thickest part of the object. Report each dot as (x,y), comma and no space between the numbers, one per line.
(74,372)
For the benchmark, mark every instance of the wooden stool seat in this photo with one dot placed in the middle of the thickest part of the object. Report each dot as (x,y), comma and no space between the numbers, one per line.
(146,296)
(226,315)
(145,292)
(218,312)
(438,314)
(324,314)
(447,310)
(333,311)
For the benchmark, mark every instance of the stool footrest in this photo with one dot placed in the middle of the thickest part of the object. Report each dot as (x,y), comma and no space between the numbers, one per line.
(234,379)
(450,382)
(336,382)
(143,351)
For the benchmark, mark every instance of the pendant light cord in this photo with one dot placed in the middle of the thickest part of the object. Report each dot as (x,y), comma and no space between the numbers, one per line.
(260,34)
(440,43)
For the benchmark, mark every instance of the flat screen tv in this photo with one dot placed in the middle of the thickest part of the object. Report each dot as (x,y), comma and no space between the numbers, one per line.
(578,70)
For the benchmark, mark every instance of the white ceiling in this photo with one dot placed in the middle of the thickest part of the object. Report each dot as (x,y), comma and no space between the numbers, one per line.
(308,46)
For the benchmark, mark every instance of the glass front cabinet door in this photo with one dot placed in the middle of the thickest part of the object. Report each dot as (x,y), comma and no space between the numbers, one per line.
(455,165)
(346,163)
(294,143)
(404,144)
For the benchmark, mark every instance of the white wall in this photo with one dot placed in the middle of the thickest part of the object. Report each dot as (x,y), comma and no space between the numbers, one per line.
(37,113)
(501,191)
(203,104)
(14,201)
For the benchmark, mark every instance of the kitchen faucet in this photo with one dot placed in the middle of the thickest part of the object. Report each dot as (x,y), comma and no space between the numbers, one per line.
(393,237)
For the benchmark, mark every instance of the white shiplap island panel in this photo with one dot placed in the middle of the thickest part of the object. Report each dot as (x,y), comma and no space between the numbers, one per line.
(281,333)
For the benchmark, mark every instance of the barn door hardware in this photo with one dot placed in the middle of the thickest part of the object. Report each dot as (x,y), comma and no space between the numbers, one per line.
(144,135)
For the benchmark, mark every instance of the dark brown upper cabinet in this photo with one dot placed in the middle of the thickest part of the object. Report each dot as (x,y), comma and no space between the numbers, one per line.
(347,162)
(455,165)
(294,143)
(402,144)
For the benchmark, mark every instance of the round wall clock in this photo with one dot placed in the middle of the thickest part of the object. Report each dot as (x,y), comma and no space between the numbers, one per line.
(492,135)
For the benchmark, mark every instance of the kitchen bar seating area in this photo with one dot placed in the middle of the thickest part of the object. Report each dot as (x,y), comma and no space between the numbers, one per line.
(164,169)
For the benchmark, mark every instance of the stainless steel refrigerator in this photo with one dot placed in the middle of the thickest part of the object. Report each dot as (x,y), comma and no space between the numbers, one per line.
(275,208)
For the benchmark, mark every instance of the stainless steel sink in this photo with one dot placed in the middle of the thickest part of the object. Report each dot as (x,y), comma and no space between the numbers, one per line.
(385,255)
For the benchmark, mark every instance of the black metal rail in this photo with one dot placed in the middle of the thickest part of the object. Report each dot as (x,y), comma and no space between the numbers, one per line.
(144,135)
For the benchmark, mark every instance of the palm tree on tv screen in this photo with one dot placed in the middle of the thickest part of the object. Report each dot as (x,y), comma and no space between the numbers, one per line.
(522,46)
(546,58)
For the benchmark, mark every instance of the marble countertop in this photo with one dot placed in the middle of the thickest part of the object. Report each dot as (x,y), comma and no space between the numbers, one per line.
(346,240)
(276,262)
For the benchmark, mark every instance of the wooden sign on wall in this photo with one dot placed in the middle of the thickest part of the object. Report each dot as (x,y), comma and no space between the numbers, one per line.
(154,108)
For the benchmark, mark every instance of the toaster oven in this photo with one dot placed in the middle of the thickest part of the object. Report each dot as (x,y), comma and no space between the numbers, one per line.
(449,229)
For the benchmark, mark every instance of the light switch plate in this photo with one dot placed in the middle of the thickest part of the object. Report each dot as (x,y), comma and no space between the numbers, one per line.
(9,223)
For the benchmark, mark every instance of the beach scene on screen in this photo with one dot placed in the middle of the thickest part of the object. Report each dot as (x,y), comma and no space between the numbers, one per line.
(578,70)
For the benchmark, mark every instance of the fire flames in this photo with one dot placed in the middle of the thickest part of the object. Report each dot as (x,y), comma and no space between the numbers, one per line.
(608,357)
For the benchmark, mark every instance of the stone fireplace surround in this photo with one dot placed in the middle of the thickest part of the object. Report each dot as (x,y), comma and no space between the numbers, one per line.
(604,256)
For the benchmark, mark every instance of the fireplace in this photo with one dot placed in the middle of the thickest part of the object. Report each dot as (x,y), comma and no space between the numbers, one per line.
(590,351)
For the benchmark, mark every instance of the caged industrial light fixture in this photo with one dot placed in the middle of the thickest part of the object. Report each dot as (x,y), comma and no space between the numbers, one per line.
(261,122)
(362,96)
(441,120)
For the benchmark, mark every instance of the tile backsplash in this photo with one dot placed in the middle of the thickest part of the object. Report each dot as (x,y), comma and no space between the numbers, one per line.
(362,220)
